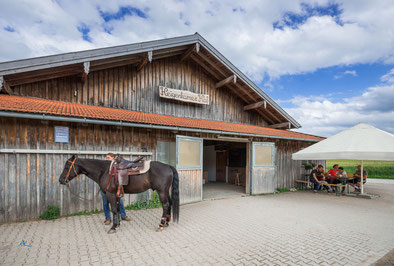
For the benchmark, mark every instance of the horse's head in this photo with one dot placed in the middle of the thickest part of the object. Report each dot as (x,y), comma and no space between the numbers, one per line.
(70,171)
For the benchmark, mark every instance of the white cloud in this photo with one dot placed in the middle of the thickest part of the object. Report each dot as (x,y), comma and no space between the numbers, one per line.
(347,72)
(323,117)
(351,72)
(389,77)
(242,31)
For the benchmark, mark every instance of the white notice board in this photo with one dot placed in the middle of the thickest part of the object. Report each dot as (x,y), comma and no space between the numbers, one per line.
(62,134)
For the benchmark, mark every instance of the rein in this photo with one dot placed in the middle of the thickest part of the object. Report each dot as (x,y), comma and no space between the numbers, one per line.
(113,173)
(72,166)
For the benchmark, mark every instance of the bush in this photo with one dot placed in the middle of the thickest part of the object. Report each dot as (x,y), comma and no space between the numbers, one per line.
(51,213)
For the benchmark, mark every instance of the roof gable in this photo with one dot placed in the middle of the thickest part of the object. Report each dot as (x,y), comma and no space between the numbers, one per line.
(191,47)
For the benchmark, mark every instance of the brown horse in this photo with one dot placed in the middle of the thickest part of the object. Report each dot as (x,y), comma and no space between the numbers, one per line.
(160,177)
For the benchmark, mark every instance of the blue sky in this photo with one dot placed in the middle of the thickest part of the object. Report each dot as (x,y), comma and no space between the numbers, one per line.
(328,63)
(334,83)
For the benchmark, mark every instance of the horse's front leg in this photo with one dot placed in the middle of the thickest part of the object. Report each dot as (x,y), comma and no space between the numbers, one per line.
(113,201)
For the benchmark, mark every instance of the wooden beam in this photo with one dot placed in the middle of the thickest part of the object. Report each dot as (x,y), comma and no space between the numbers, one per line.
(254,105)
(203,65)
(143,62)
(4,86)
(281,125)
(32,74)
(210,62)
(226,81)
(252,98)
(188,52)
(272,115)
(17,82)
(112,65)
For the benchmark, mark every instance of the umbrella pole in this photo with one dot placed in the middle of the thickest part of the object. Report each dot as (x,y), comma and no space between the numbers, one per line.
(362,177)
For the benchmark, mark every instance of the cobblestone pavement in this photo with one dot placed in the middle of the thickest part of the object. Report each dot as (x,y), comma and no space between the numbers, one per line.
(294,228)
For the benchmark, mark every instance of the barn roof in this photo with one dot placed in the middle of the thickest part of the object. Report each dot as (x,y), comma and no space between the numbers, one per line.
(190,47)
(35,108)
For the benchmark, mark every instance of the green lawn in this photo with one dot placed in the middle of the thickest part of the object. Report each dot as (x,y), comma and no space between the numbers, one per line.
(376,169)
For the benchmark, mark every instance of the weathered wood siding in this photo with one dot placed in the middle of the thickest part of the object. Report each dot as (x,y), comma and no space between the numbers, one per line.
(29,182)
(288,170)
(190,182)
(126,88)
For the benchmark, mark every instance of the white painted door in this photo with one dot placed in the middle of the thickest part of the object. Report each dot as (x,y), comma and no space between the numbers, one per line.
(189,152)
(263,170)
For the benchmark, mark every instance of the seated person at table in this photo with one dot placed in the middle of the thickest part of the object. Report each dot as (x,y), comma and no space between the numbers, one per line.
(356,182)
(333,175)
(341,173)
(318,179)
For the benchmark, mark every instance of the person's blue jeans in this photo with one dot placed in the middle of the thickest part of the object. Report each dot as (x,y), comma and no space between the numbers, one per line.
(316,184)
(106,207)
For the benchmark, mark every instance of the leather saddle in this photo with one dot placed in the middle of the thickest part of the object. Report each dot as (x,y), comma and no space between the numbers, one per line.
(133,167)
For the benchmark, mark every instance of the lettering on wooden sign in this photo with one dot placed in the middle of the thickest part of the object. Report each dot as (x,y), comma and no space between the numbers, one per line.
(184,96)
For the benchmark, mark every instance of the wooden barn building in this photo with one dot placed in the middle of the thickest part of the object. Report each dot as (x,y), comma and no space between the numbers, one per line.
(175,100)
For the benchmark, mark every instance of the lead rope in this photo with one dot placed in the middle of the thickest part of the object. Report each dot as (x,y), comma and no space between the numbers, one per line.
(68,183)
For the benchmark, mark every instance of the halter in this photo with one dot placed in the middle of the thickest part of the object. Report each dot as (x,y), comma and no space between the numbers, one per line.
(69,170)
(72,166)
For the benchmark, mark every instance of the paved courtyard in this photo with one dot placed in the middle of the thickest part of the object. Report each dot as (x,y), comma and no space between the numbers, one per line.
(294,228)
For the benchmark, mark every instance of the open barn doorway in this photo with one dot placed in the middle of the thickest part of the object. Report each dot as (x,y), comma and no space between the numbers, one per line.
(224,169)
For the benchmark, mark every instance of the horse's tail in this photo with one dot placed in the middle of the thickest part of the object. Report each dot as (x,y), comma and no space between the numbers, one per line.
(175,194)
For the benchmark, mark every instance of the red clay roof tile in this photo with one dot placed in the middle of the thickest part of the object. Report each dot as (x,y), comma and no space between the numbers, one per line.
(42,106)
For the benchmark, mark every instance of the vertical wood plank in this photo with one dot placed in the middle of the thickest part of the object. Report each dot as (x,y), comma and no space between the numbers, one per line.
(2,188)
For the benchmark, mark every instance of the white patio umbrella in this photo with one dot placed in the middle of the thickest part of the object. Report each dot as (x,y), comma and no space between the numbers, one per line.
(361,142)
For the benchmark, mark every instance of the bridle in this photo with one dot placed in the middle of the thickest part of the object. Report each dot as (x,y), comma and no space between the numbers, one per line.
(72,166)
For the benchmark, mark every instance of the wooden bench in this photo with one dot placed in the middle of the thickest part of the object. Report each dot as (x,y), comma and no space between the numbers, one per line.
(299,181)
(336,186)
(306,182)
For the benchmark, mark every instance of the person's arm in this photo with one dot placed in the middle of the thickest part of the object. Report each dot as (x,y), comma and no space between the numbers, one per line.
(314,176)
(323,175)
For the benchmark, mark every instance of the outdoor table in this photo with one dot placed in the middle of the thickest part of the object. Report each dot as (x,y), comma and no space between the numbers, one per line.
(344,182)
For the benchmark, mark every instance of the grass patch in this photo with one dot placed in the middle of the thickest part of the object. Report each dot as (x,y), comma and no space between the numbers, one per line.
(281,190)
(375,169)
(51,213)
(84,213)
(145,204)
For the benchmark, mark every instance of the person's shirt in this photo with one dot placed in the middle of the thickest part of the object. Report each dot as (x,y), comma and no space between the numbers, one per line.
(343,174)
(319,175)
(332,173)
(358,172)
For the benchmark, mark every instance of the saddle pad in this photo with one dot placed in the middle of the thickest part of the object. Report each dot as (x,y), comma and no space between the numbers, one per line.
(142,171)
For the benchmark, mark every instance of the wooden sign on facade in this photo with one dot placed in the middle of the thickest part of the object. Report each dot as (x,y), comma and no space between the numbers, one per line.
(184,96)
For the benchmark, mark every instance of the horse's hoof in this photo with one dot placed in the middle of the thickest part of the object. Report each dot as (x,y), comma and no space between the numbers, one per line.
(159,229)
(111,231)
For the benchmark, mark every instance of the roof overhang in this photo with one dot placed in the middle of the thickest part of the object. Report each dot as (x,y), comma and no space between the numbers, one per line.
(191,47)
(35,108)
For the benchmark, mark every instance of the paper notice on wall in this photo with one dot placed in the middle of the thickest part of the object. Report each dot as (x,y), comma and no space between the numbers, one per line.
(62,134)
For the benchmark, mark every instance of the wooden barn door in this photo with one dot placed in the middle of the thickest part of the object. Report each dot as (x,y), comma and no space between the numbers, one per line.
(263,174)
(189,165)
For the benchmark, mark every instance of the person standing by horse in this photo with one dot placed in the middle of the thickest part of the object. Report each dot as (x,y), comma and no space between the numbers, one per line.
(111,157)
